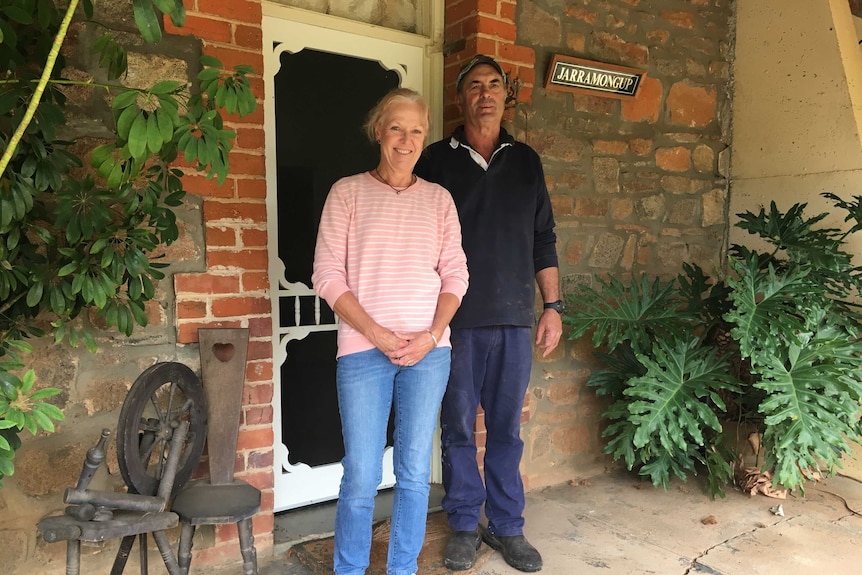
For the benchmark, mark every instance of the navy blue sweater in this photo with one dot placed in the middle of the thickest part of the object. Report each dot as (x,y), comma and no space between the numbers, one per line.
(507,226)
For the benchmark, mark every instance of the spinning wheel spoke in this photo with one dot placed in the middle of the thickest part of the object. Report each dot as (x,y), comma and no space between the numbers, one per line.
(163,396)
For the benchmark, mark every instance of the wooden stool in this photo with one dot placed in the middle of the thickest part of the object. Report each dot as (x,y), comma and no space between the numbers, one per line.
(221,499)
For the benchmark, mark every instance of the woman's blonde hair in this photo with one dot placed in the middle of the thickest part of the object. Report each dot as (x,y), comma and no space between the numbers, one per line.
(377,113)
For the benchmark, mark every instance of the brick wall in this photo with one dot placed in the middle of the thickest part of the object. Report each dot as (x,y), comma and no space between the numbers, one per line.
(637,185)
(234,289)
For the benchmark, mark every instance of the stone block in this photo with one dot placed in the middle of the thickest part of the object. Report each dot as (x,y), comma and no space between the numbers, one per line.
(557,146)
(703,159)
(714,208)
(49,470)
(691,105)
(651,207)
(676,159)
(683,211)
(682,185)
(646,104)
(399,15)
(359,10)
(607,251)
(615,49)
(537,27)
(606,175)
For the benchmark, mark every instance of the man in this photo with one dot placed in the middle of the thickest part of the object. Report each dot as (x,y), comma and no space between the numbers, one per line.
(507,229)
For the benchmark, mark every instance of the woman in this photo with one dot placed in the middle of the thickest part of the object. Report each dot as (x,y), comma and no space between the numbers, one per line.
(389,262)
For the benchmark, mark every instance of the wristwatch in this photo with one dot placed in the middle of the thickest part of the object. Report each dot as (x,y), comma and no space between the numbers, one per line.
(557,306)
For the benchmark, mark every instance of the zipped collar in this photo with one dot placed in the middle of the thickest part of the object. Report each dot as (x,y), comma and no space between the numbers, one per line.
(458,139)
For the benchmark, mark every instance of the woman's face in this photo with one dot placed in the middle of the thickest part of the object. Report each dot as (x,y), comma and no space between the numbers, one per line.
(401,132)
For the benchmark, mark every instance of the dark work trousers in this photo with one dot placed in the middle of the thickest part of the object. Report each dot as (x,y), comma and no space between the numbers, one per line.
(491,367)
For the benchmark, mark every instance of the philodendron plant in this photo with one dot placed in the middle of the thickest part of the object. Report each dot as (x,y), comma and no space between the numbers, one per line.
(774,344)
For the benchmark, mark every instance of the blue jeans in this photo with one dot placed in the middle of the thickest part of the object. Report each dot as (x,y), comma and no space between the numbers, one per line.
(368,386)
(490,366)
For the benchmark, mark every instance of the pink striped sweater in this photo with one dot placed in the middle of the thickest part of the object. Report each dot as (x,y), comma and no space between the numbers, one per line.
(396,252)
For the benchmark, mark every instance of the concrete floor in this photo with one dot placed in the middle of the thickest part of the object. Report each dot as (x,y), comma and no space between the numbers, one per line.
(613,524)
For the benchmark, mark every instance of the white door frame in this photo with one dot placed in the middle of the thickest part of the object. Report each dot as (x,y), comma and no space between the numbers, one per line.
(420,68)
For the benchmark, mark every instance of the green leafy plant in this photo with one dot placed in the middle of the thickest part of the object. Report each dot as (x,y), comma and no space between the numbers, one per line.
(76,238)
(776,342)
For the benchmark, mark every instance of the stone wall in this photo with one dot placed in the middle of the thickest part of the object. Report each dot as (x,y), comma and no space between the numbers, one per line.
(637,185)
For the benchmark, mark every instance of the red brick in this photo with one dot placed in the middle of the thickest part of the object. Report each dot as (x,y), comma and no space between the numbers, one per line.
(526,74)
(484,46)
(260,326)
(260,394)
(248,36)
(255,118)
(562,204)
(206,283)
(219,236)
(255,281)
(258,415)
(260,459)
(496,28)
(646,104)
(188,332)
(253,238)
(677,159)
(259,371)
(209,187)
(262,523)
(254,438)
(480,439)
(240,306)
(508,11)
(518,54)
(251,188)
(259,350)
(250,138)
(458,11)
(261,479)
(202,27)
(487,7)
(247,164)
(235,211)
(267,500)
(191,309)
(241,10)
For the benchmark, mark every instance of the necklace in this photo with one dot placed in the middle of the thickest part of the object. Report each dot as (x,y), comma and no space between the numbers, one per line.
(397,190)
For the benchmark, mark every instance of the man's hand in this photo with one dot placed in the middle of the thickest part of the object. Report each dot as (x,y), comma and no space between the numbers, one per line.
(549,331)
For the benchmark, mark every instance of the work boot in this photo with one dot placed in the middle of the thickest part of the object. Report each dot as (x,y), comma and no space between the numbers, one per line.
(516,550)
(460,552)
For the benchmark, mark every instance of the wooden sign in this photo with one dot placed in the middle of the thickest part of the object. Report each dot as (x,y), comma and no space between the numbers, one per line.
(594,78)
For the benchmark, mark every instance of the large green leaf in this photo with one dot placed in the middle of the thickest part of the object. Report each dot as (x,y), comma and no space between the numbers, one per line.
(636,314)
(678,397)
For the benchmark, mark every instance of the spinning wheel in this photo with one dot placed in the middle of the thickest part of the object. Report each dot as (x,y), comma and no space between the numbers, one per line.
(162,396)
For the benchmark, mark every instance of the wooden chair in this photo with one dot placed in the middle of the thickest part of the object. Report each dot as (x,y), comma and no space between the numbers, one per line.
(220,499)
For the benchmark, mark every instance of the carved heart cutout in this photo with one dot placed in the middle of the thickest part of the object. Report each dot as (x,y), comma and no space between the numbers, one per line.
(223,351)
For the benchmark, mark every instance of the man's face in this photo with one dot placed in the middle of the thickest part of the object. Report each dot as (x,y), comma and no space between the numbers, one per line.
(483,96)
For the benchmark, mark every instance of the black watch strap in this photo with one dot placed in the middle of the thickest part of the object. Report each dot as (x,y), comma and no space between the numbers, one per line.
(557,306)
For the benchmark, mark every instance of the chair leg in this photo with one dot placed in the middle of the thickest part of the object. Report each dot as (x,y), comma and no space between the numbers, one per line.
(142,549)
(73,557)
(187,534)
(246,547)
(167,553)
(123,555)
